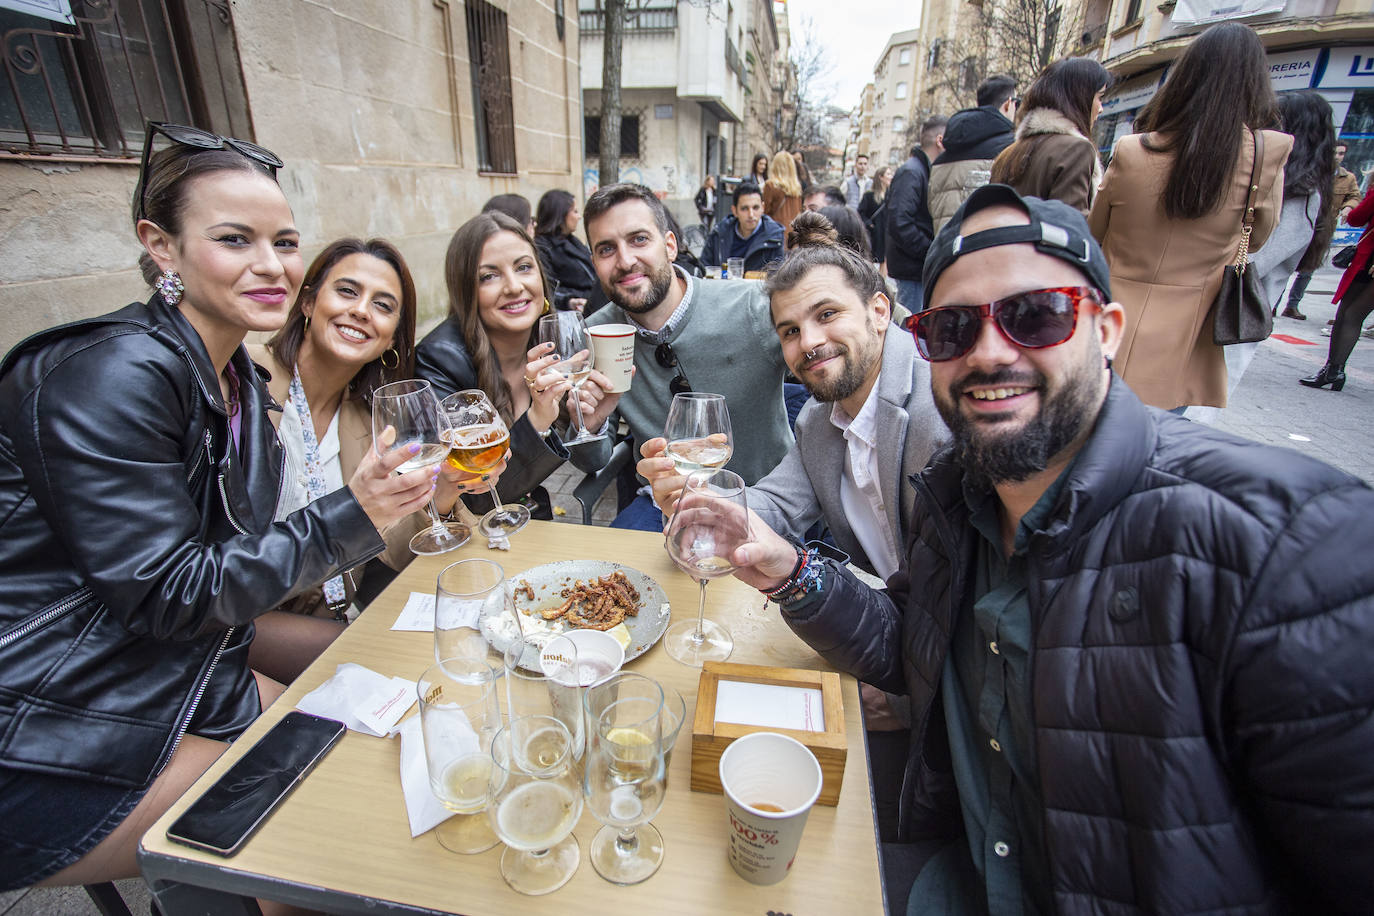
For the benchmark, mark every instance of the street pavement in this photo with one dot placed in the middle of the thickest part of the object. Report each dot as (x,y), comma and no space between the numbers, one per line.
(1270,406)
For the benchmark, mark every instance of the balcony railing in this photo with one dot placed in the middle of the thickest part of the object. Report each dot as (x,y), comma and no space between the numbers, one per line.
(645,20)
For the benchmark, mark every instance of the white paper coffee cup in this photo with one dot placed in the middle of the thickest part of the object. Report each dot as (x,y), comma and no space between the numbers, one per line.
(613,349)
(773,771)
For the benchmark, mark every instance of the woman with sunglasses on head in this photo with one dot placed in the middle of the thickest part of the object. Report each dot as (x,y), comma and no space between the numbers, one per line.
(1170,210)
(139,473)
(350,331)
(563,257)
(1053,156)
(497,294)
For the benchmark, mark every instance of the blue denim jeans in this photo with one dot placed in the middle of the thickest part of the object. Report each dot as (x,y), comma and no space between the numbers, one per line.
(640,515)
(909,294)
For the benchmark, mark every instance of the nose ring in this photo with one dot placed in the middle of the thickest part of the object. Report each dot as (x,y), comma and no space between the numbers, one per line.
(810,354)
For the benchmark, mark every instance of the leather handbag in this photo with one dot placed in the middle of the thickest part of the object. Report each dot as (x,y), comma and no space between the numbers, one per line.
(1343,258)
(1239,312)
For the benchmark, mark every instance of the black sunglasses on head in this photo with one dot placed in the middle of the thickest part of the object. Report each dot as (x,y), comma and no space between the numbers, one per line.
(1032,320)
(665,357)
(200,139)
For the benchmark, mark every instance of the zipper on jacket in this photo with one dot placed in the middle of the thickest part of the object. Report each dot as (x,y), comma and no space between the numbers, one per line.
(228,513)
(46,617)
(195,700)
(195,469)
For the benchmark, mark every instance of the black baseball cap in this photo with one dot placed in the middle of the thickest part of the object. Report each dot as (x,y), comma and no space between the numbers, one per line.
(1055,229)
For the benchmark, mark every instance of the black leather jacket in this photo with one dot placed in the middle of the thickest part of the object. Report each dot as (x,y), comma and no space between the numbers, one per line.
(1202,610)
(564,258)
(137,546)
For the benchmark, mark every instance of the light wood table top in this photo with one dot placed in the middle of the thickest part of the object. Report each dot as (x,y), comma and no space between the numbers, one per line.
(341,841)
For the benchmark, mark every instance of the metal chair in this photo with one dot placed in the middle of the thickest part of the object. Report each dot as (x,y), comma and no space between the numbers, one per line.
(593,485)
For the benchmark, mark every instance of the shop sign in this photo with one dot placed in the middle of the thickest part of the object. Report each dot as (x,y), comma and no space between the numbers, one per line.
(1351,68)
(1133,93)
(1292,69)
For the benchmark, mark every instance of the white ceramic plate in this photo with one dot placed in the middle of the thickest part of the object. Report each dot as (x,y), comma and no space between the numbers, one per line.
(548,580)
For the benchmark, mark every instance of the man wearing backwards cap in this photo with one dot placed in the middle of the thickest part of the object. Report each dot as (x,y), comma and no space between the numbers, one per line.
(1136,648)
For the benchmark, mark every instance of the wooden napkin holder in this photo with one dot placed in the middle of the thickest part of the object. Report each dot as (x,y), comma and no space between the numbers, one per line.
(710,738)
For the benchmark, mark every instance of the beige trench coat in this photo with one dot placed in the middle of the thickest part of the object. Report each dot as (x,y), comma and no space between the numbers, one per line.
(1167,272)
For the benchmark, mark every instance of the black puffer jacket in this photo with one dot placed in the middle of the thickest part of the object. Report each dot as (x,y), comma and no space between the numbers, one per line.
(909,229)
(136,547)
(564,258)
(1202,687)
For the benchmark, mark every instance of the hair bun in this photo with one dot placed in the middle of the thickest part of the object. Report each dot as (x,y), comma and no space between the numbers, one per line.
(811,229)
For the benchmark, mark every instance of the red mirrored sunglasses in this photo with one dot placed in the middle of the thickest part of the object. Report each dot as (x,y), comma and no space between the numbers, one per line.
(1033,320)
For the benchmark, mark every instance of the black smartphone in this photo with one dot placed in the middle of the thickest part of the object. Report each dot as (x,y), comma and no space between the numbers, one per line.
(234,807)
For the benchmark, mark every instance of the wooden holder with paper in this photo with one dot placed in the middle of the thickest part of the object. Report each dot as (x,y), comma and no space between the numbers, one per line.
(738,700)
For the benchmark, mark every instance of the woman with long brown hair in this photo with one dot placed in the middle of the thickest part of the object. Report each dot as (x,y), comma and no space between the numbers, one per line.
(1170,210)
(497,293)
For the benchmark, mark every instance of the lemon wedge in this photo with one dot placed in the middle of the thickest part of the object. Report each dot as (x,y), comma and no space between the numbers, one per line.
(621,633)
(628,737)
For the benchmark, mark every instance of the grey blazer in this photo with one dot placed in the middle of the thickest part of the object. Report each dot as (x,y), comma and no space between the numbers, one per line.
(805,487)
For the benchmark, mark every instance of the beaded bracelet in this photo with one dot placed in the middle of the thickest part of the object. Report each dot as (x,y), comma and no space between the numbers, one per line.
(811,579)
(785,584)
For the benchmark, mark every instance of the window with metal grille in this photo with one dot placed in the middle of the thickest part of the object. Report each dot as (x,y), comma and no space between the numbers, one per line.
(489,52)
(629,136)
(86,87)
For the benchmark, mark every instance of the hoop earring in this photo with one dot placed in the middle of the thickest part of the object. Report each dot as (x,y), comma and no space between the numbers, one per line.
(548,307)
(170,287)
(395,356)
(307,324)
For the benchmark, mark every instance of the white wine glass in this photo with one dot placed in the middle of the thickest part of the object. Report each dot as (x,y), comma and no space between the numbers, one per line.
(412,408)
(568,334)
(698,432)
(710,522)
(459,717)
(625,775)
(533,810)
(479,440)
(542,679)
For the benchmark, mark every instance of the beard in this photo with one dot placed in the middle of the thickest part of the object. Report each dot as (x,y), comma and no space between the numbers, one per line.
(989,457)
(857,366)
(660,278)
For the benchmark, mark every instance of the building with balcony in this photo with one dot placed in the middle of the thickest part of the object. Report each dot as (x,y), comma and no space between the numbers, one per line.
(1326,45)
(861,122)
(683,97)
(894,81)
(765,91)
(395,120)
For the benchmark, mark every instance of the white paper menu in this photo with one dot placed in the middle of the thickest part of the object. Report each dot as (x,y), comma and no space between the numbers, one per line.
(770,705)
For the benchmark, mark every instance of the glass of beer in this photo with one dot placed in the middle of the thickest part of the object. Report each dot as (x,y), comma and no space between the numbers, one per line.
(411,407)
(478,439)
(698,432)
(534,809)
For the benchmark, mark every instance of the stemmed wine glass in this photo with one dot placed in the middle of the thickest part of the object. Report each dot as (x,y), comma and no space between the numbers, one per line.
(625,775)
(459,717)
(412,408)
(533,809)
(480,440)
(711,520)
(698,432)
(568,333)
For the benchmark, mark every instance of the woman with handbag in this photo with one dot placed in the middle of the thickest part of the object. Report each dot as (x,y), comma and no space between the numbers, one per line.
(1172,206)
(1355,295)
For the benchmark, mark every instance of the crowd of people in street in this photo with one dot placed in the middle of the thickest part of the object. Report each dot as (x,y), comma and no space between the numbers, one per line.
(1118,663)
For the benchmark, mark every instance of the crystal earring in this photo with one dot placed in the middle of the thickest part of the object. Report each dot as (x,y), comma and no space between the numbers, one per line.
(170,286)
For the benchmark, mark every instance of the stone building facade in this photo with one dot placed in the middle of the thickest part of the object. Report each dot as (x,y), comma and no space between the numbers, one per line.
(396,120)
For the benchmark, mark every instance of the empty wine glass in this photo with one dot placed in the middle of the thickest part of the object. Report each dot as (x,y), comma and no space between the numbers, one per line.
(412,409)
(480,440)
(698,432)
(459,717)
(624,776)
(568,334)
(542,680)
(465,594)
(533,810)
(711,520)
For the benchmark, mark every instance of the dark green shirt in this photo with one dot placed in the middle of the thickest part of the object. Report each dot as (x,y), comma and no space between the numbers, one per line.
(985,689)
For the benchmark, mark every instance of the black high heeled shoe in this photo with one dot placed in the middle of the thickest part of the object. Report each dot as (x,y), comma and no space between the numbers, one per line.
(1326,376)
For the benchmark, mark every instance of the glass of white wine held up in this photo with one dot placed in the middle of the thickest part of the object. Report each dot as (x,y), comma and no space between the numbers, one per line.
(479,440)
(710,522)
(411,407)
(568,334)
(698,432)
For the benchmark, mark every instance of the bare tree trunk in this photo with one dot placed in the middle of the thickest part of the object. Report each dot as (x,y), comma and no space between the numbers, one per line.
(609,165)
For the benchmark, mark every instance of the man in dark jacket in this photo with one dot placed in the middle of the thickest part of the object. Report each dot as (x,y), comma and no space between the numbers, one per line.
(909,228)
(1136,648)
(746,233)
(973,138)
